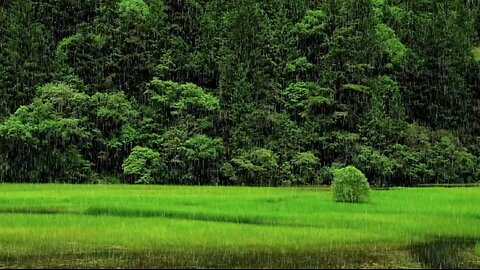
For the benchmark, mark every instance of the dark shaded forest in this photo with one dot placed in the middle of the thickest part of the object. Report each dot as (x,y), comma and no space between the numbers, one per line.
(251,92)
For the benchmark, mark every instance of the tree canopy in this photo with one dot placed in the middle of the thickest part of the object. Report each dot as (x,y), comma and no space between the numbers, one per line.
(250,92)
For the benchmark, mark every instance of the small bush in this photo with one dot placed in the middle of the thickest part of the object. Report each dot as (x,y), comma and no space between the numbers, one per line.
(350,185)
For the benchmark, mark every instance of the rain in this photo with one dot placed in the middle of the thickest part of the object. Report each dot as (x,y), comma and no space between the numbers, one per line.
(240,134)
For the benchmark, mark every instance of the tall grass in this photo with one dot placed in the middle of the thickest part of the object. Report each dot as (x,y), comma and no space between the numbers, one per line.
(232,223)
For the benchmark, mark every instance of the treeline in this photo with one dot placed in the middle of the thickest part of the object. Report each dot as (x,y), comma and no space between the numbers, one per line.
(251,92)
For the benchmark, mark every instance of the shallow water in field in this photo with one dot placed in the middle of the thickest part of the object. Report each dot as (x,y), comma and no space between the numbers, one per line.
(443,253)
(448,253)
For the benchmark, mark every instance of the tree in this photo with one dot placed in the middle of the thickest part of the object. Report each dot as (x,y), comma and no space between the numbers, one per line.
(25,58)
(240,92)
(144,166)
(205,155)
(40,143)
(377,167)
(305,168)
(255,167)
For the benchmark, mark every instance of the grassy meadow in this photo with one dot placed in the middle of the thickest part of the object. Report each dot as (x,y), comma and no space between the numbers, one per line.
(171,226)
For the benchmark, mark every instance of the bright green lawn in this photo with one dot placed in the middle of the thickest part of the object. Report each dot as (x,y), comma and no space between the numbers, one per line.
(41,221)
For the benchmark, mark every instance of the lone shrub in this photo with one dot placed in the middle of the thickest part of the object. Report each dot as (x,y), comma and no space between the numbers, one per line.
(350,185)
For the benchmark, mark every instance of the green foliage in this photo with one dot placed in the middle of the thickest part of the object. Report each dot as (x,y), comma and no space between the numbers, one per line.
(40,142)
(172,149)
(432,157)
(180,99)
(300,64)
(305,97)
(379,168)
(113,107)
(340,145)
(452,163)
(204,154)
(201,147)
(392,46)
(74,67)
(379,7)
(387,85)
(438,62)
(350,185)
(476,54)
(62,121)
(314,22)
(256,167)
(356,87)
(144,164)
(305,166)
(25,59)
(385,119)
(326,173)
(112,119)
(137,7)
(411,167)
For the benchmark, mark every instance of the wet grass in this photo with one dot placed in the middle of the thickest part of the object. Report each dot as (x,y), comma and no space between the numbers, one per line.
(76,226)
(447,253)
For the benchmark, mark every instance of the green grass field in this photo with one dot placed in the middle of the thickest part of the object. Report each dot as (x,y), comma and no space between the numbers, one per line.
(170,226)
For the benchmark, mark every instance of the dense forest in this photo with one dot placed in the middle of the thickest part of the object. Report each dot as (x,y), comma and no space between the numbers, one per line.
(250,92)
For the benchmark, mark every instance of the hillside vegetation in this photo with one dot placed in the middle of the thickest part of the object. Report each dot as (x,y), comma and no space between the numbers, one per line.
(253,92)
